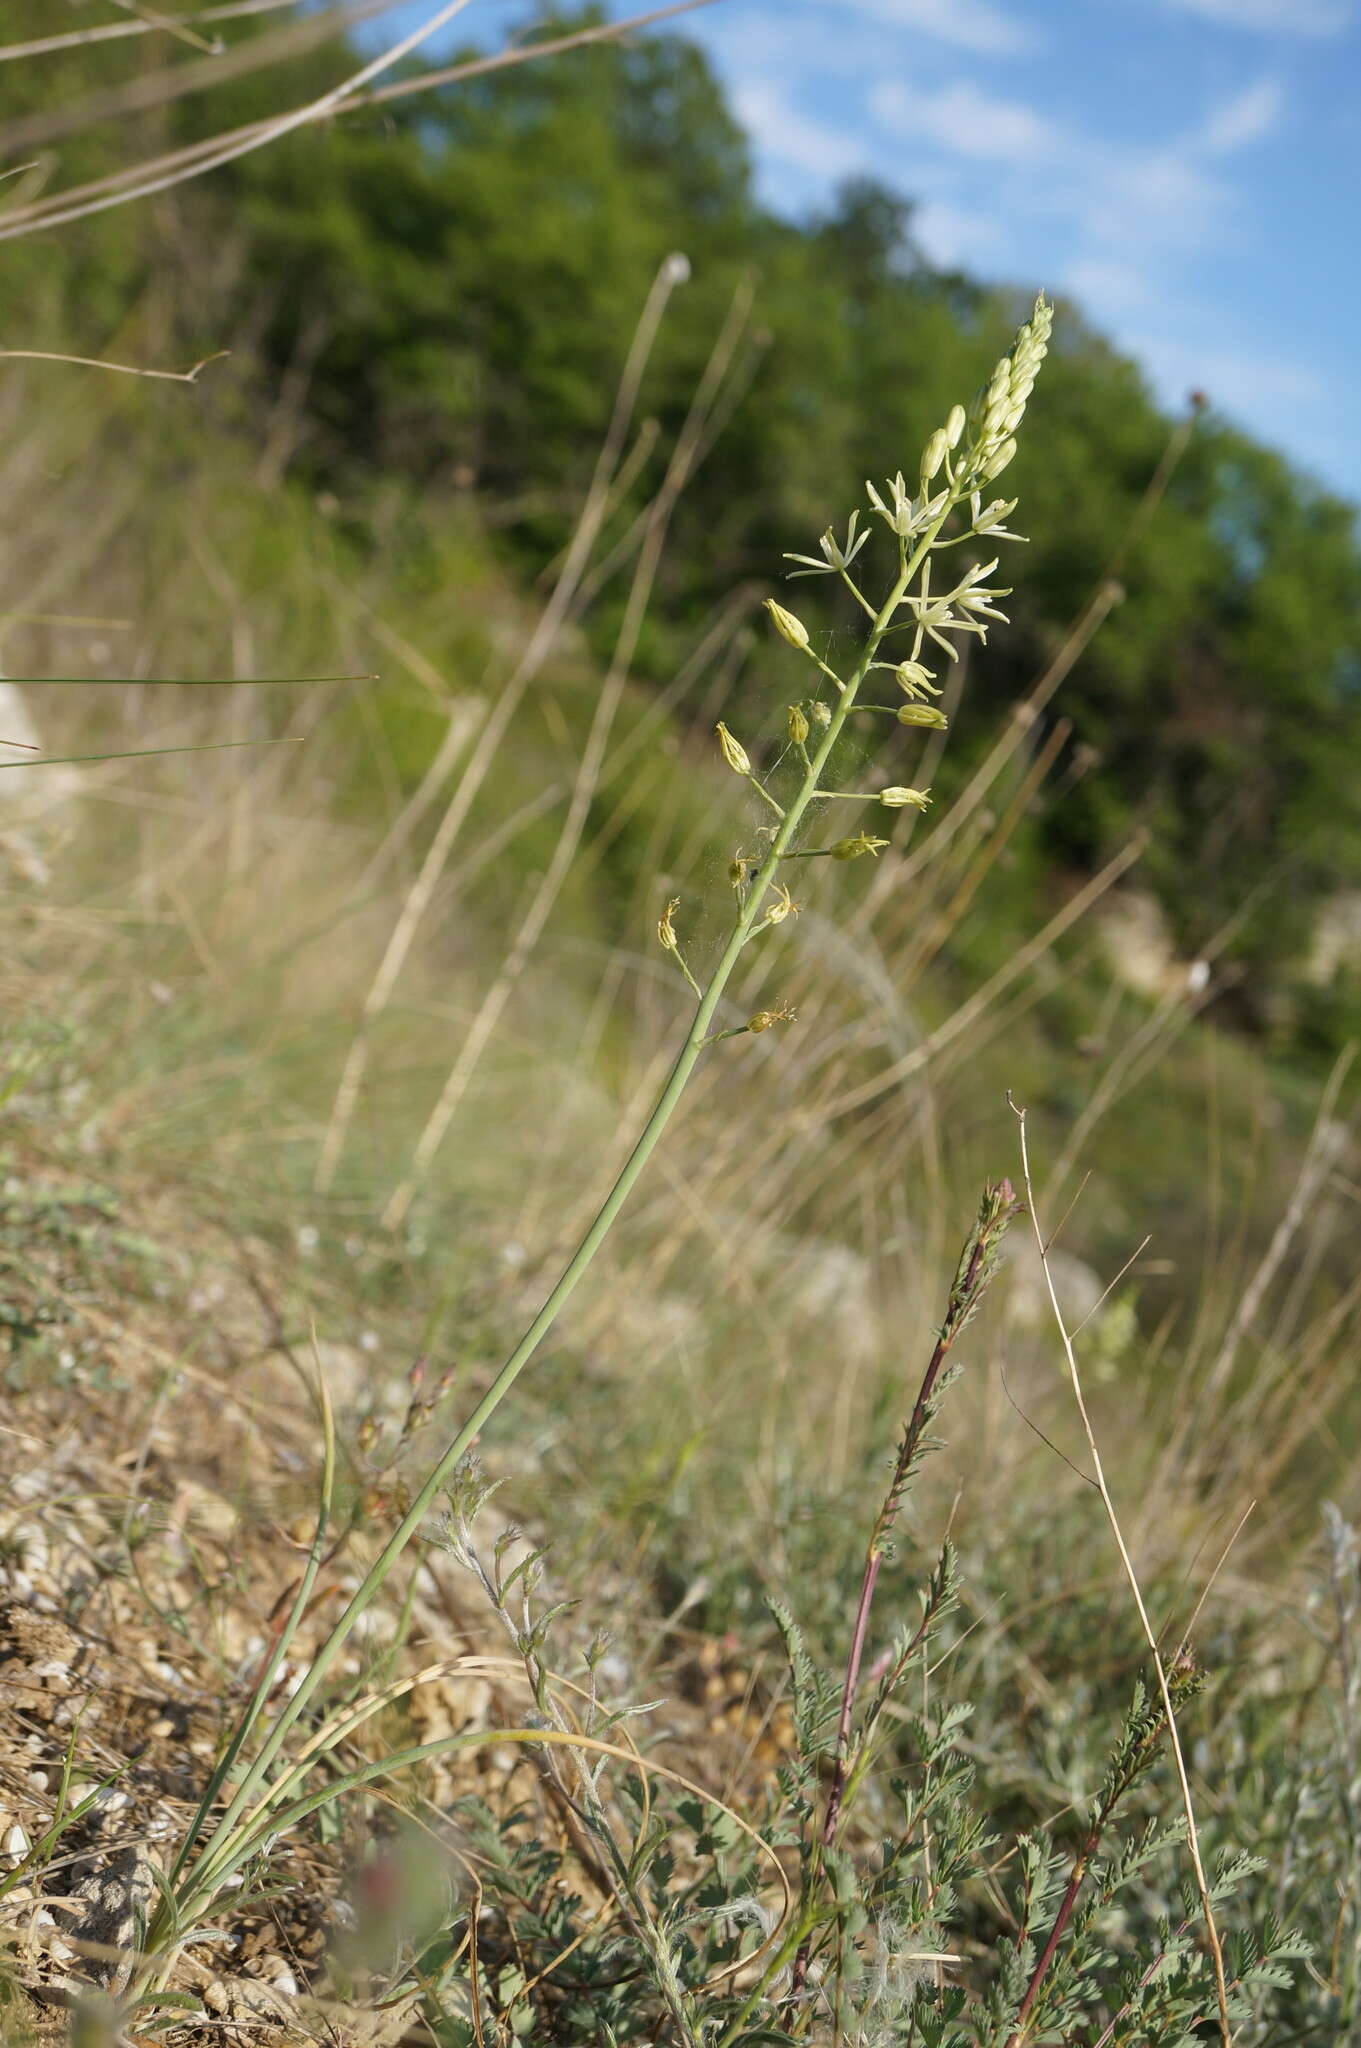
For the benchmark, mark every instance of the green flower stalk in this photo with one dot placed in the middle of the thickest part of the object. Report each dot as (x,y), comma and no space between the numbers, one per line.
(959,460)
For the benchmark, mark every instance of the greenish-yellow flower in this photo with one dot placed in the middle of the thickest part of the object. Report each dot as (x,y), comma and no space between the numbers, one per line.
(784,905)
(915,678)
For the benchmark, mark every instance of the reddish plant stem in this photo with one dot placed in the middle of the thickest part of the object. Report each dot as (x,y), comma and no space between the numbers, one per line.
(1056,1932)
(970,1280)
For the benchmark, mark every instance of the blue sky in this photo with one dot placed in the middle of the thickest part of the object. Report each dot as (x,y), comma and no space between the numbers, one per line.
(1188,170)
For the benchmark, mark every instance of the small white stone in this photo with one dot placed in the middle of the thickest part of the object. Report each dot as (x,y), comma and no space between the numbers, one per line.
(286,1983)
(16,1842)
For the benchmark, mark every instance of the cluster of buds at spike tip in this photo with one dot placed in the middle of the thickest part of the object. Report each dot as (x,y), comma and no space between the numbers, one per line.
(1001,407)
(898,798)
(787,626)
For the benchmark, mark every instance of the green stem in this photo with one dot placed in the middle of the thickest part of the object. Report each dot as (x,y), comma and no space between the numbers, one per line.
(212,1864)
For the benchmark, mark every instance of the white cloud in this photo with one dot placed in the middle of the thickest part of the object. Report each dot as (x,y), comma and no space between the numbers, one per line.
(1121,214)
(797,140)
(977,25)
(950,235)
(1248,117)
(1106,287)
(964,120)
(1275,17)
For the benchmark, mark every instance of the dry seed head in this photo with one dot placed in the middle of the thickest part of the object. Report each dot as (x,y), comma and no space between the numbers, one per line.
(786,625)
(666,930)
(762,1021)
(734,753)
(798,725)
(899,799)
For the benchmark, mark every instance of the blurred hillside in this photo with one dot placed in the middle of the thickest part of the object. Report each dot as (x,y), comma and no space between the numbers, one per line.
(484,449)
(429,301)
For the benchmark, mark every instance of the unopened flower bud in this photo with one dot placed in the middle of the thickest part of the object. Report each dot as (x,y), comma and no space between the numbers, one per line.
(900,799)
(786,625)
(922,714)
(954,426)
(798,725)
(734,753)
(666,931)
(934,453)
(851,849)
(1000,460)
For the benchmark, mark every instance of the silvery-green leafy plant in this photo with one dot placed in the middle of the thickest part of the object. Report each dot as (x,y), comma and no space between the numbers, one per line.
(930,1918)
